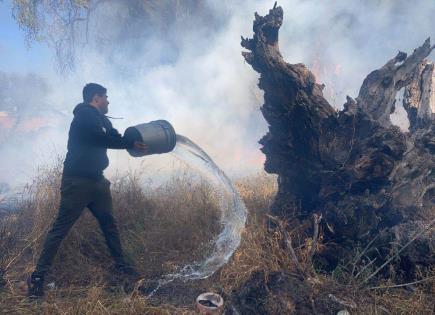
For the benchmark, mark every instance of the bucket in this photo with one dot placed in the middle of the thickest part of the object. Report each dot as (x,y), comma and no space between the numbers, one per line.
(159,135)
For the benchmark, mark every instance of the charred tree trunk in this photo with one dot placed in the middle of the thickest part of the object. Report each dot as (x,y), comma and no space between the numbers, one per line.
(419,101)
(362,173)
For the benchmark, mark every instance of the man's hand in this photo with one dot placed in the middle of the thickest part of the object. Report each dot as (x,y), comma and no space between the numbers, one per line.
(141,147)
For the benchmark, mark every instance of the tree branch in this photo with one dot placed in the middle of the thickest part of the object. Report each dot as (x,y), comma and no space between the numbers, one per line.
(378,91)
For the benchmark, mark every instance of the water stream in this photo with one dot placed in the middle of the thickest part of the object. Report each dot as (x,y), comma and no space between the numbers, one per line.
(232,218)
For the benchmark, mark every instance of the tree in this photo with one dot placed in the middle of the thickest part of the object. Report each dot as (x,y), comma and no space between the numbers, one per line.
(366,177)
(108,25)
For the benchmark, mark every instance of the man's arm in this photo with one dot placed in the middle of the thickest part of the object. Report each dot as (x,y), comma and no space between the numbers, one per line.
(137,145)
(90,131)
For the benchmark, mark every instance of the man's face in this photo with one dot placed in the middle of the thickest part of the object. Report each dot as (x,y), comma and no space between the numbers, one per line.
(102,103)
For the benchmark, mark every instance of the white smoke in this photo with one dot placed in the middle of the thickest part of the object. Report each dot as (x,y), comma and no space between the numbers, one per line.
(194,76)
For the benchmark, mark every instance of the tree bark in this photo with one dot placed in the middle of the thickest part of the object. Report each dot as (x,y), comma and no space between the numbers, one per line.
(354,167)
(419,96)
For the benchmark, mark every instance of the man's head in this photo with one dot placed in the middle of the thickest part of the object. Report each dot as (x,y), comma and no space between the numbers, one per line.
(96,95)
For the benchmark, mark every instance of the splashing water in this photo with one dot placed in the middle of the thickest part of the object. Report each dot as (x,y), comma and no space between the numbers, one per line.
(232,207)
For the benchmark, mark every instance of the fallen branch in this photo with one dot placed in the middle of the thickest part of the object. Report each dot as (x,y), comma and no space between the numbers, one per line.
(350,304)
(401,285)
(288,243)
(431,223)
(317,219)
(365,267)
(362,254)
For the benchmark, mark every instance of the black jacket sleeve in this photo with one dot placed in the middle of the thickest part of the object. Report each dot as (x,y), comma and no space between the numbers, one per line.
(90,130)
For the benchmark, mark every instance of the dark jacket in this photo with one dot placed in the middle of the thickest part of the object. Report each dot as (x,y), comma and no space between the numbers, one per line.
(90,135)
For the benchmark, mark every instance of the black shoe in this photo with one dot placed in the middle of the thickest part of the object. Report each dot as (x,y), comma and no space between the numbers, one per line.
(35,285)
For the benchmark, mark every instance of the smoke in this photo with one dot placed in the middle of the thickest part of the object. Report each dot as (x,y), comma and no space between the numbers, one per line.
(185,66)
(28,121)
(359,36)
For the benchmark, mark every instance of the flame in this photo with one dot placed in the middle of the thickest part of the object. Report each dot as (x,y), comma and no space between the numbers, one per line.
(251,157)
(322,70)
(337,70)
(33,124)
(6,121)
(27,124)
(432,97)
(318,68)
(328,74)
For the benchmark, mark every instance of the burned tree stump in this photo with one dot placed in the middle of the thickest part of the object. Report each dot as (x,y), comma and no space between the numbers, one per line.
(365,176)
(419,101)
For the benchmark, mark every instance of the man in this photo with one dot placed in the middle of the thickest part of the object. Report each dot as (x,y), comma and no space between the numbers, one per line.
(83,184)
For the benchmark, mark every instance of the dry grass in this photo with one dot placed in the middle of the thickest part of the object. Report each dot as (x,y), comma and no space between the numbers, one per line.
(161,229)
(264,250)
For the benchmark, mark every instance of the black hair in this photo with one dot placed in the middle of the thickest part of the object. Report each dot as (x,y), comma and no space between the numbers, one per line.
(92,89)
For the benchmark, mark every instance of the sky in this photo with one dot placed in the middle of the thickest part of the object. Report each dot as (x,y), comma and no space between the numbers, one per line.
(194,75)
(16,55)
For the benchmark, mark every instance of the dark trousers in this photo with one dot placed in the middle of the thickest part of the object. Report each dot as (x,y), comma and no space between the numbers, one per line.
(76,194)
